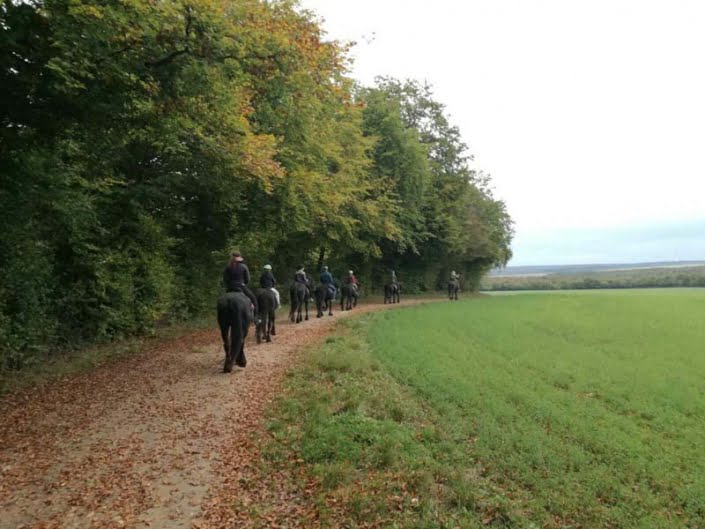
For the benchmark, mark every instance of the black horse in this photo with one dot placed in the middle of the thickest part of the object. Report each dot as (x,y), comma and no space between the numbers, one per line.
(234,317)
(266,301)
(348,296)
(299,294)
(391,293)
(453,289)
(324,300)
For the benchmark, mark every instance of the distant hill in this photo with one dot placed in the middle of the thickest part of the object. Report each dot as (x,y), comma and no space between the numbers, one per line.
(544,270)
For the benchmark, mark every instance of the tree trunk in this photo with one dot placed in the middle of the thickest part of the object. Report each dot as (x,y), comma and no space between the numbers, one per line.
(321,257)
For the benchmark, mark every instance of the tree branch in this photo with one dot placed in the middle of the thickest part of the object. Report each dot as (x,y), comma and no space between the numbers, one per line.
(167,59)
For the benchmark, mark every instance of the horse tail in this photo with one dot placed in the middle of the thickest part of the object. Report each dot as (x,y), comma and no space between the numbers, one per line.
(239,322)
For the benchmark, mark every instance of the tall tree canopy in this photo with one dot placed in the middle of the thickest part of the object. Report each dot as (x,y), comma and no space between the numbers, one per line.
(141,141)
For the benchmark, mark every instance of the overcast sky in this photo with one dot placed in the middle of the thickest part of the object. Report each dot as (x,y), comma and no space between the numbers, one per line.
(589,115)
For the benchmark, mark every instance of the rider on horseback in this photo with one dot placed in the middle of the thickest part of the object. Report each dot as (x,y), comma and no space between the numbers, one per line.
(454,276)
(236,276)
(267,280)
(300,277)
(327,279)
(394,278)
(352,280)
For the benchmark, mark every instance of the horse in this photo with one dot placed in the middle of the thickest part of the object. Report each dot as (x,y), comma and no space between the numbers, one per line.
(324,300)
(348,296)
(265,328)
(234,318)
(299,294)
(391,293)
(453,289)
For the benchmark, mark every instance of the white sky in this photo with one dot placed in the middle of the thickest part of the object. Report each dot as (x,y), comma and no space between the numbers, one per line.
(589,115)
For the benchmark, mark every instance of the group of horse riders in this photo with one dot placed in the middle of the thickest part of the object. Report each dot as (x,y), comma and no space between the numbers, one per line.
(236,277)
(234,316)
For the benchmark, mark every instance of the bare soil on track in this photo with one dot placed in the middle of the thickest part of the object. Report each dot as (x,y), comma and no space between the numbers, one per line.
(158,439)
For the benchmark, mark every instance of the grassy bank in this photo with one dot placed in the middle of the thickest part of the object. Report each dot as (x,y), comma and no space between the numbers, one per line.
(512,411)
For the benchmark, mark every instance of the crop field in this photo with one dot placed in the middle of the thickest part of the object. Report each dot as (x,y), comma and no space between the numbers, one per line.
(533,410)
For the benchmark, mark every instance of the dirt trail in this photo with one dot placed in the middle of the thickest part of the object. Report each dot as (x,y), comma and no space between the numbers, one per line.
(145,441)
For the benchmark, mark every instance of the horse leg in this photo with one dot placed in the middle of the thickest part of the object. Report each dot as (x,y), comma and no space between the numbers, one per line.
(270,325)
(330,307)
(306,308)
(224,324)
(274,328)
(259,329)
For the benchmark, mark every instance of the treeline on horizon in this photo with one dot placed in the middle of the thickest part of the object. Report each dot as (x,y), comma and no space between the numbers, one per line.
(141,142)
(647,278)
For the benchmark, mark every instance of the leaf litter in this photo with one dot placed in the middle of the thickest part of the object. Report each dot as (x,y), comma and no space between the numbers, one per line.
(156,439)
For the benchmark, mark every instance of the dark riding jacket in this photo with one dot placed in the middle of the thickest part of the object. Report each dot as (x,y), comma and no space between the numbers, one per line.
(236,275)
(326,278)
(267,280)
(300,277)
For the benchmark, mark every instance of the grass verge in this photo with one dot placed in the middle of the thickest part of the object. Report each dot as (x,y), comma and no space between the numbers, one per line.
(375,454)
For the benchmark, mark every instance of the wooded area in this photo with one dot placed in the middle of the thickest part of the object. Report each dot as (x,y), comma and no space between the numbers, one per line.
(141,142)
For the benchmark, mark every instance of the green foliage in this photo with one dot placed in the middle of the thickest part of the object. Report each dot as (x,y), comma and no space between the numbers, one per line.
(448,215)
(141,142)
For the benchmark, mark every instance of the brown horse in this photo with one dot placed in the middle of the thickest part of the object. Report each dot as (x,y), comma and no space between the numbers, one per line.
(298,294)
(453,289)
(348,296)
(391,293)
(324,300)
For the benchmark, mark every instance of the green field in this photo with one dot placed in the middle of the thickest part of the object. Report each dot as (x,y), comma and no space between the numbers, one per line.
(534,410)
